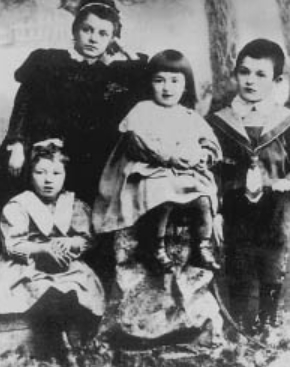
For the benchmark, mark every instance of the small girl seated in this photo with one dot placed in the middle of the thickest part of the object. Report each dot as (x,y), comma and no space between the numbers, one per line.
(162,159)
(44,233)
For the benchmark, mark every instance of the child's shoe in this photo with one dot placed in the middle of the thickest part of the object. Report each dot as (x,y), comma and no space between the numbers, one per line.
(162,257)
(207,255)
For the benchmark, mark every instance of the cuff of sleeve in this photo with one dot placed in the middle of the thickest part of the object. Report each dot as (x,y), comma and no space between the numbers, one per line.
(22,257)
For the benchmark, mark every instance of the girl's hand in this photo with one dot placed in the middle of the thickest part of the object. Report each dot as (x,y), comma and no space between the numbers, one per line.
(58,251)
(202,165)
(281,185)
(180,163)
(16,160)
(51,257)
(78,245)
(71,247)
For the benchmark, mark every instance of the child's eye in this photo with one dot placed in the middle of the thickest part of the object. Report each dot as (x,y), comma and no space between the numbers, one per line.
(86,29)
(104,34)
(243,71)
(157,80)
(261,74)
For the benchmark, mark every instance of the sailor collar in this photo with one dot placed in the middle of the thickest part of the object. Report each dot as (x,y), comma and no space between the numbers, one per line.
(42,216)
(278,120)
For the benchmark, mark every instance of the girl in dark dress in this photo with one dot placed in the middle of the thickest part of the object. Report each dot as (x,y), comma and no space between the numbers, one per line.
(77,95)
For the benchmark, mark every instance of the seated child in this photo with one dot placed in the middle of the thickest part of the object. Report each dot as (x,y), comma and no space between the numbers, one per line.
(44,232)
(162,159)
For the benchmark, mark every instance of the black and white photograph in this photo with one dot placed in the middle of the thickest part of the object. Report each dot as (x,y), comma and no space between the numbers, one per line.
(161,242)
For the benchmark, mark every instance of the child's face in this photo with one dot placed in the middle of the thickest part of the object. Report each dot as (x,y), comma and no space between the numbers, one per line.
(255,79)
(48,178)
(93,37)
(168,88)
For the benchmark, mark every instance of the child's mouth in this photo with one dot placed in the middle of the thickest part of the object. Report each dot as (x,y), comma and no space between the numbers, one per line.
(250,90)
(90,48)
(48,189)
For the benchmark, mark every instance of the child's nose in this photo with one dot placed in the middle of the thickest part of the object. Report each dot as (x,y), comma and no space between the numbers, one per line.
(166,86)
(94,37)
(250,79)
(48,178)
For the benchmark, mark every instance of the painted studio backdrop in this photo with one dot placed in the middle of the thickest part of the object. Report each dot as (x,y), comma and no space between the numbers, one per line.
(209,32)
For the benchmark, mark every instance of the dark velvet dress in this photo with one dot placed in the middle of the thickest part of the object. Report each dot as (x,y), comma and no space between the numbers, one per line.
(60,97)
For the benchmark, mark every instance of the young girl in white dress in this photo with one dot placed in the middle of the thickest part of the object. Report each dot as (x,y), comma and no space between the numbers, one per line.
(44,232)
(163,159)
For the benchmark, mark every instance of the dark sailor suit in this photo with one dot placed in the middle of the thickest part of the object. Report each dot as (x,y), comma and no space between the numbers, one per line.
(255,201)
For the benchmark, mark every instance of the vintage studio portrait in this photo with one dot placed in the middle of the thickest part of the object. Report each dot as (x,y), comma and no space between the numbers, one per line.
(144,183)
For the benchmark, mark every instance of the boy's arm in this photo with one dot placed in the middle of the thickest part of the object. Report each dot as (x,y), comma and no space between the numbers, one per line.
(283,184)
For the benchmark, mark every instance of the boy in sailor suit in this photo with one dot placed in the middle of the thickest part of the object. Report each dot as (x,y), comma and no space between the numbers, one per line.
(254,132)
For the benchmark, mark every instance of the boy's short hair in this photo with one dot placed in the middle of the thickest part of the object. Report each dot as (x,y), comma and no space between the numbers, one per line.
(263,49)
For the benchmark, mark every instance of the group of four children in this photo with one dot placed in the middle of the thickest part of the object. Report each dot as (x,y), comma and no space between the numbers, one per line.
(88,103)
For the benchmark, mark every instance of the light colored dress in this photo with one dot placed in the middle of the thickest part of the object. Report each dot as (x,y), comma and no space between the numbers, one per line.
(154,163)
(26,219)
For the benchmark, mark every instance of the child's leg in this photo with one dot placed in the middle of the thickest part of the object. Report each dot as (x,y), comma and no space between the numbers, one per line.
(241,220)
(203,228)
(125,245)
(79,324)
(164,212)
(48,324)
(274,258)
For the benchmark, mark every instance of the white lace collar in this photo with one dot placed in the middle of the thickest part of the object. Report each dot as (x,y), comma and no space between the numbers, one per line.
(106,59)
